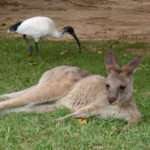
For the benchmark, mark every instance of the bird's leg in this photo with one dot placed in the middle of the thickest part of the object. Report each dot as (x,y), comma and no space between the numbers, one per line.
(30,48)
(36,46)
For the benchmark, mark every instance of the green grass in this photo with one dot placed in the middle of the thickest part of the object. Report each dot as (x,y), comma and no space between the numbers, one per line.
(38,131)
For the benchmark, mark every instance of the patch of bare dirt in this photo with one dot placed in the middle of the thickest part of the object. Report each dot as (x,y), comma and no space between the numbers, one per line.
(93,19)
(140,51)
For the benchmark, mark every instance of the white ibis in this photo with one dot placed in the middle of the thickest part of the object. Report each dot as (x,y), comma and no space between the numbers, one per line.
(38,27)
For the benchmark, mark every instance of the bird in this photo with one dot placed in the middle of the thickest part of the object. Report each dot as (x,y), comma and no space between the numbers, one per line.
(38,27)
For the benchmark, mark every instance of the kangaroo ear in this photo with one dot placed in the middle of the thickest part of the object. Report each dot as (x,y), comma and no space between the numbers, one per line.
(111,62)
(130,68)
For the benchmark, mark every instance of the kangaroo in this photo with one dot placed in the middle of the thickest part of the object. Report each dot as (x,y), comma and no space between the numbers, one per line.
(83,93)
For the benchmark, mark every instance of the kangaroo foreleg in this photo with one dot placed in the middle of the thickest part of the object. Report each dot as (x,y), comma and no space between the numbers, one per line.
(83,112)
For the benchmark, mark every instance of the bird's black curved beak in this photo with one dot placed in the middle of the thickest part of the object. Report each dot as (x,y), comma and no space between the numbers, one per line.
(70,30)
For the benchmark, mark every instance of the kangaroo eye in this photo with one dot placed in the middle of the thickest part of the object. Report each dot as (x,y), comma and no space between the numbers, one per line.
(122,87)
(107,86)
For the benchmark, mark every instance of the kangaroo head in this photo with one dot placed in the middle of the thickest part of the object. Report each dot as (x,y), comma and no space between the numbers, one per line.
(119,82)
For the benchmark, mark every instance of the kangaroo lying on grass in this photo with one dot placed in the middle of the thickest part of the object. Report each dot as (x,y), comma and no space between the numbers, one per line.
(84,94)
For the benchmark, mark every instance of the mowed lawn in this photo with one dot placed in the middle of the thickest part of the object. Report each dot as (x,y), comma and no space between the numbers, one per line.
(39,131)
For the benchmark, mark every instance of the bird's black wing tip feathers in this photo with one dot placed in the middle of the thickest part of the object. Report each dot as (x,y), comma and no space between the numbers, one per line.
(14,27)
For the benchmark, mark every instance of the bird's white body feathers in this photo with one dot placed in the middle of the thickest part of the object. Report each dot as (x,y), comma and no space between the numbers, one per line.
(37,27)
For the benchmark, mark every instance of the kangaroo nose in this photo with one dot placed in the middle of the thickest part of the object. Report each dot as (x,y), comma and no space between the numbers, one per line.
(111,99)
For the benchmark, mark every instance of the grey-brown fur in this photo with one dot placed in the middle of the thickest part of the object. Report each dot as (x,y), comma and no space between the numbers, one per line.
(84,94)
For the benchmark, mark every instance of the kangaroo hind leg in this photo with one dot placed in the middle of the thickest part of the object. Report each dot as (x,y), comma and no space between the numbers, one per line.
(15,94)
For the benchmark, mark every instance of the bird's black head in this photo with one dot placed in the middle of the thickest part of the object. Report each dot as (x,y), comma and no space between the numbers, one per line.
(70,30)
